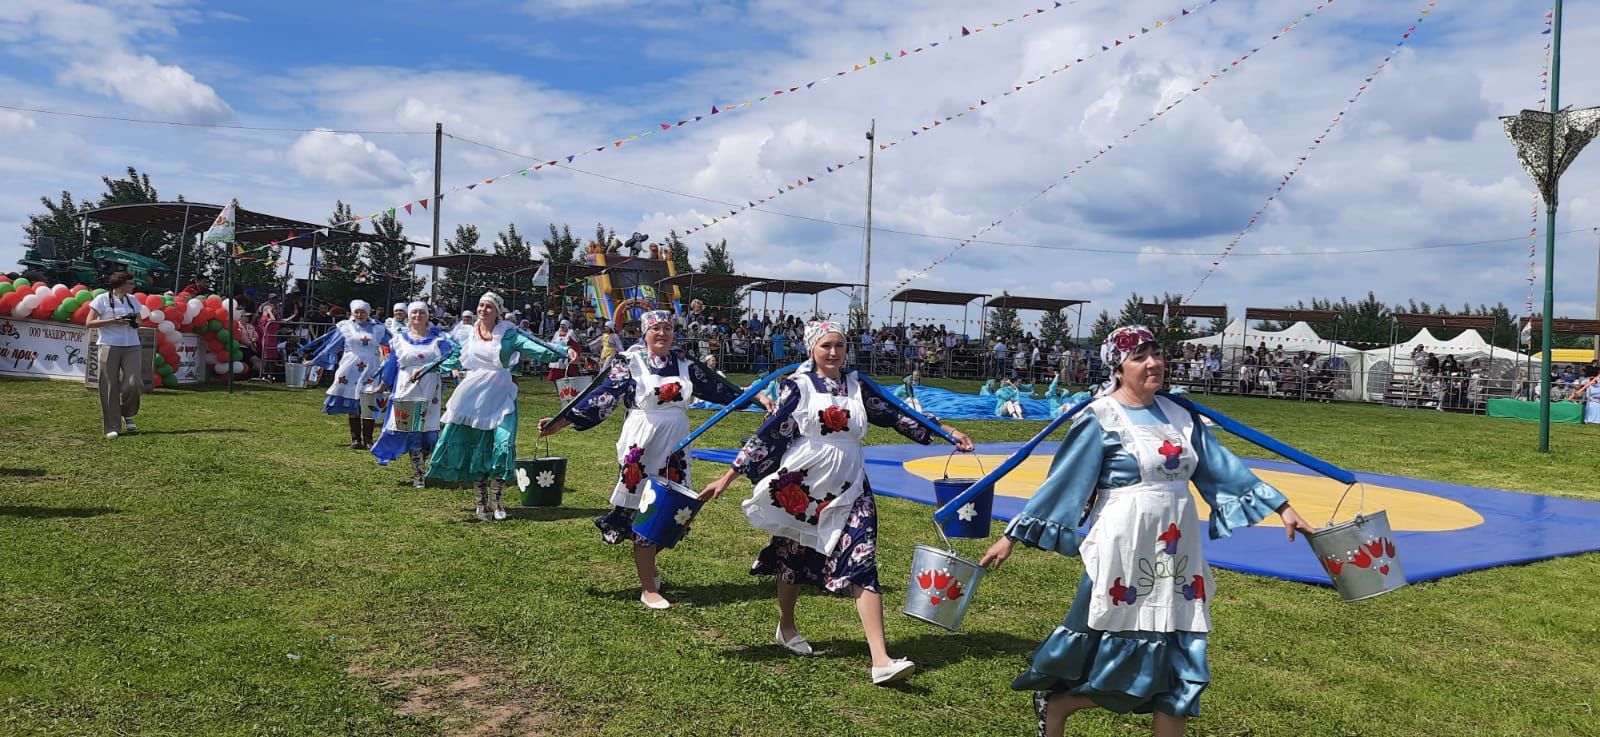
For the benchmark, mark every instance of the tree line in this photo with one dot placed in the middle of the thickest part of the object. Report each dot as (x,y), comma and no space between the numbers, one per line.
(376,267)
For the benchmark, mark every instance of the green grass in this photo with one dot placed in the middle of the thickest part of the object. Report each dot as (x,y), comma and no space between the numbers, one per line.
(234,570)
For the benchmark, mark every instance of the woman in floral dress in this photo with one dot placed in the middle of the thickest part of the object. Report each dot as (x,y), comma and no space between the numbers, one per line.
(657,384)
(1135,637)
(811,490)
(352,346)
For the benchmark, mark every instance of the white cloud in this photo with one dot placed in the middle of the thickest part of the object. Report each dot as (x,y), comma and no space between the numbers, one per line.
(347,160)
(13,122)
(164,89)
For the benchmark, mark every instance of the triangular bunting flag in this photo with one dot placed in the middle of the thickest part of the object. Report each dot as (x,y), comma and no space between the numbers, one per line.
(408,208)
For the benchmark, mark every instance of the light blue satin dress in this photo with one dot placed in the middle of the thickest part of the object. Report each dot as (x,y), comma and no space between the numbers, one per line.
(1134,670)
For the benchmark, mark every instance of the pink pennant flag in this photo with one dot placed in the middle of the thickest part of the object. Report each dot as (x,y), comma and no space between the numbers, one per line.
(408,208)
(423,202)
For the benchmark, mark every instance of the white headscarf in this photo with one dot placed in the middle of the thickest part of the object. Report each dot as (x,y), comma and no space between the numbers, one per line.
(399,306)
(359,304)
(413,306)
(494,299)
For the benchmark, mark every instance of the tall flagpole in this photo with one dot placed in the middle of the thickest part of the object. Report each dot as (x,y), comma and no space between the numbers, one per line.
(872,147)
(1550,235)
(438,156)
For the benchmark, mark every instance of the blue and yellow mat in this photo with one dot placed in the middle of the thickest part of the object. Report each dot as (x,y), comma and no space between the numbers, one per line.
(1440,529)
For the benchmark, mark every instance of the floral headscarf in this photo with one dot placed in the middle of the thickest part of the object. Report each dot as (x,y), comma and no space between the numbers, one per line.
(816,329)
(494,299)
(1120,344)
(653,318)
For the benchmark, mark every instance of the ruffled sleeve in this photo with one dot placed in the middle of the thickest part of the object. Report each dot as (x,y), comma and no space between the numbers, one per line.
(883,413)
(614,389)
(531,348)
(1237,497)
(328,355)
(1050,519)
(762,453)
(710,385)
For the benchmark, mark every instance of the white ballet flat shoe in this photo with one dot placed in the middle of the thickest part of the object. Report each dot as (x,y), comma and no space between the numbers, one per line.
(660,603)
(797,644)
(895,671)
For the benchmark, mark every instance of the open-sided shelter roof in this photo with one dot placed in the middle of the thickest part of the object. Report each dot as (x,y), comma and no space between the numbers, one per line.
(249,226)
(934,297)
(800,286)
(1278,314)
(482,262)
(1468,322)
(1567,326)
(1157,309)
(711,281)
(1033,303)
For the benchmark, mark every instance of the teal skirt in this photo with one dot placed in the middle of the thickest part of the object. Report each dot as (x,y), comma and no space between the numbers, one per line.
(1120,671)
(465,453)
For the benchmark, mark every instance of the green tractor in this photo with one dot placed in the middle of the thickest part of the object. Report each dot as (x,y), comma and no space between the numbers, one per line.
(42,263)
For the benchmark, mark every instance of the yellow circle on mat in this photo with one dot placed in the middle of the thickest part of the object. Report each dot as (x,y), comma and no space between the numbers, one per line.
(1313,496)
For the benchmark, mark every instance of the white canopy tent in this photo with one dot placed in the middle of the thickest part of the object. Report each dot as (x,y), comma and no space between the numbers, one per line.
(1349,363)
(1498,364)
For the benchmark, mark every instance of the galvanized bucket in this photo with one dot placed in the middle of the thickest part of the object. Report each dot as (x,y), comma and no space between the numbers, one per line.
(411,416)
(372,403)
(668,508)
(294,374)
(972,519)
(942,585)
(1359,555)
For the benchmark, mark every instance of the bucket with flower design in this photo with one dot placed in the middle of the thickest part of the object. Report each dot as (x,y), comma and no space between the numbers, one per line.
(540,481)
(972,516)
(665,512)
(942,585)
(1359,554)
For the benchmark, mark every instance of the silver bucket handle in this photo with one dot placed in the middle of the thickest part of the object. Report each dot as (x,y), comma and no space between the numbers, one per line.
(1362,504)
(981,471)
(942,538)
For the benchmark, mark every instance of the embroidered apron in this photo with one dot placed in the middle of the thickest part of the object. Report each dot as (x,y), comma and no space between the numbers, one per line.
(808,499)
(1143,552)
(487,393)
(658,419)
(358,366)
(416,404)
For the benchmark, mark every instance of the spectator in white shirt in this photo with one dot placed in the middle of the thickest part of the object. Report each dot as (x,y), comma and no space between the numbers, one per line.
(115,315)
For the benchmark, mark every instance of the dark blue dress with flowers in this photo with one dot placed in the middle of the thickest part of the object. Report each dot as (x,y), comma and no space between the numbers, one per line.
(854,561)
(618,387)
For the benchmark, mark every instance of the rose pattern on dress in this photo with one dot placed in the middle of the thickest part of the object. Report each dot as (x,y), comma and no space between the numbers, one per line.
(834,419)
(677,468)
(632,470)
(669,392)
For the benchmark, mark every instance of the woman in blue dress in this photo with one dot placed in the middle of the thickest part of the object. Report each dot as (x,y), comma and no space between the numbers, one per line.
(351,348)
(411,423)
(478,442)
(1135,637)
(811,491)
(657,383)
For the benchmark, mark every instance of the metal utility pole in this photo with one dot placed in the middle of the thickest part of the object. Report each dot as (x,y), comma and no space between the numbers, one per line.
(872,149)
(438,156)
(1597,295)
(1550,236)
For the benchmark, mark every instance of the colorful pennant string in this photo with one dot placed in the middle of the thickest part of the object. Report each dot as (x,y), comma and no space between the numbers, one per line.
(940,121)
(1316,143)
(1103,150)
(724,109)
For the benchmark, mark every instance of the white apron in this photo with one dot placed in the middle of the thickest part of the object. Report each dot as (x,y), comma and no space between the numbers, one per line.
(487,392)
(560,339)
(1143,552)
(808,499)
(658,419)
(410,396)
(358,365)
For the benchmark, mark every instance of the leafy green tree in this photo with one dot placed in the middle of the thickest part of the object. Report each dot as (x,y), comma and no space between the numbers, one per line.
(717,260)
(387,261)
(339,260)
(454,293)
(1055,327)
(1005,324)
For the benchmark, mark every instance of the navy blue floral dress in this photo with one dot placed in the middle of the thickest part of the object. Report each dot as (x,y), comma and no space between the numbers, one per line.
(777,455)
(657,390)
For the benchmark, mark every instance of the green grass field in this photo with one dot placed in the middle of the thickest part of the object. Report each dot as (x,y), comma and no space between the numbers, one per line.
(235,570)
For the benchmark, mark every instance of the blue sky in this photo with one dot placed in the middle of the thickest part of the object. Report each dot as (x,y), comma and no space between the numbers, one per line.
(1419,160)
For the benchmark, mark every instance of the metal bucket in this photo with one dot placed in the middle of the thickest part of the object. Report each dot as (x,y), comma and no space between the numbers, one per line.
(411,416)
(372,403)
(972,519)
(942,585)
(569,387)
(541,481)
(668,508)
(294,374)
(1359,555)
